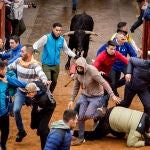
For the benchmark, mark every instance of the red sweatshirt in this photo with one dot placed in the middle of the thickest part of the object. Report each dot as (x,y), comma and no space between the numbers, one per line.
(104,62)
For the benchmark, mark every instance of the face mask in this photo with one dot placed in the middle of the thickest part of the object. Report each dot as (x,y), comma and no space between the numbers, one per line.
(80,72)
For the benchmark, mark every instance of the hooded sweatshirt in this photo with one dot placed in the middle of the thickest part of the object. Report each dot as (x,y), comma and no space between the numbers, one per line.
(13,54)
(56,140)
(91,81)
(8,89)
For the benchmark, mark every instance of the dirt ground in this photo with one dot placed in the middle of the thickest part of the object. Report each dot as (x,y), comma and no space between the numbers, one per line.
(106,14)
(32,142)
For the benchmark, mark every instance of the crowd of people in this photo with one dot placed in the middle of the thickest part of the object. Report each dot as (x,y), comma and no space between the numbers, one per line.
(31,83)
(14,22)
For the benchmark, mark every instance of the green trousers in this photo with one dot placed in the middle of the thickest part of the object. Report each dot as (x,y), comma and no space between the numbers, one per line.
(52,74)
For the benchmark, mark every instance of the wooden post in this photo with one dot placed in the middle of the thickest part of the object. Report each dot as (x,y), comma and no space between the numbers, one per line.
(146,39)
(2,20)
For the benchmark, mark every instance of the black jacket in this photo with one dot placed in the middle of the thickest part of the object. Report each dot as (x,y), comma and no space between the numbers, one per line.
(42,99)
(140,71)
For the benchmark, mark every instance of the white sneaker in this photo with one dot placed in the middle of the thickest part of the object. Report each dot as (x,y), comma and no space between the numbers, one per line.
(78,141)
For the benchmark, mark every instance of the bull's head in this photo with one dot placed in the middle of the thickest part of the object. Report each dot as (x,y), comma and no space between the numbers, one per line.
(80,38)
(72,32)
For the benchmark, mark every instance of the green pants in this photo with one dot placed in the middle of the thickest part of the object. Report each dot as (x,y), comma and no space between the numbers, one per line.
(52,74)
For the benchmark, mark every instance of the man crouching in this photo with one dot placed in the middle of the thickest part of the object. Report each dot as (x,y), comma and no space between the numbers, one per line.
(119,121)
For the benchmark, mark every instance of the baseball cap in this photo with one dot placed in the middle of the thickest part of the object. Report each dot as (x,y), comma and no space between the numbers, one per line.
(31,87)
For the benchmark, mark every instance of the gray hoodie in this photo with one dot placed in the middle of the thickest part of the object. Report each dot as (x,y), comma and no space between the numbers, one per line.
(60,125)
(92,83)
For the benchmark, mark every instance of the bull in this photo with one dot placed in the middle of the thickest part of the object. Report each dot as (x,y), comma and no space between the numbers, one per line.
(81,28)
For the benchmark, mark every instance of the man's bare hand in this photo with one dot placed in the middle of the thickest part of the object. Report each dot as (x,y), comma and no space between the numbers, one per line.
(102,73)
(72,75)
(70,105)
(116,99)
(48,82)
(128,77)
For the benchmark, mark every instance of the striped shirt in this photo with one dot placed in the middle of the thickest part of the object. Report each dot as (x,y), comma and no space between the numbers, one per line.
(28,74)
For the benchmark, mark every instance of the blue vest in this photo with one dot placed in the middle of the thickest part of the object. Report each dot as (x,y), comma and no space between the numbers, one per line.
(52,50)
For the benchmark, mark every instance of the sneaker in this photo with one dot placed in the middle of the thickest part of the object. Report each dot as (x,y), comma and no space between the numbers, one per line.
(20,136)
(78,141)
(103,110)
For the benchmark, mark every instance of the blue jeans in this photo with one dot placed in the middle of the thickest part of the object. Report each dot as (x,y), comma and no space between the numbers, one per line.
(87,108)
(20,99)
(103,102)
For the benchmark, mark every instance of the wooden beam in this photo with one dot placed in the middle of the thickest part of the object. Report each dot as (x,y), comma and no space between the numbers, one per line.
(146,39)
(2,20)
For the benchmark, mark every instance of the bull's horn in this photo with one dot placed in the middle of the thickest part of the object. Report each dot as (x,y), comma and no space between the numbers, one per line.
(90,32)
(68,33)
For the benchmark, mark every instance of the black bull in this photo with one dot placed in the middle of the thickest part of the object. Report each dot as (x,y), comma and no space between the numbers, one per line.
(80,30)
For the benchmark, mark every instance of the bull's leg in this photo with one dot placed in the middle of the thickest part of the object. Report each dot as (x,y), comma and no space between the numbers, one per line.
(76,52)
(79,53)
(67,66)
(85,54)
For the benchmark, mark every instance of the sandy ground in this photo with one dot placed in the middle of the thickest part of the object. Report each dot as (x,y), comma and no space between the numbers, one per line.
(106,15)
(32,142)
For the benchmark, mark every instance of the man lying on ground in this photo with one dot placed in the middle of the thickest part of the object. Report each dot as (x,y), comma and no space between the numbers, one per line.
(118,121)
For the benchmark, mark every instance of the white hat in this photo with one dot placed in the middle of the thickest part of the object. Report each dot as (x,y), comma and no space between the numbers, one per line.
(31,87)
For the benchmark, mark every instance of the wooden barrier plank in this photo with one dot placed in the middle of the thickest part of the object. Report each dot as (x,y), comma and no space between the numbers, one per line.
(2,20)
(146,39)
